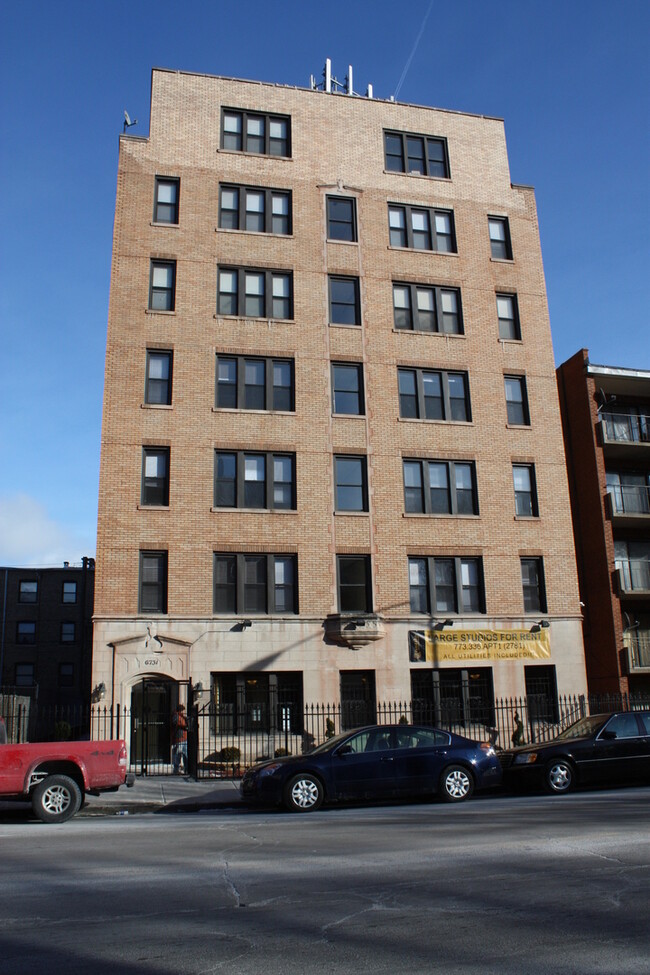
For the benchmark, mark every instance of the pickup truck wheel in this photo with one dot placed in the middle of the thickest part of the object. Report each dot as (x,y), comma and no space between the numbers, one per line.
(56,799)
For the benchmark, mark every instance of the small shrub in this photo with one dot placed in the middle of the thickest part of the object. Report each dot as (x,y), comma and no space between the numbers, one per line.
(281,752)
(403,720)
(329,728)
(230,754)
(62,731)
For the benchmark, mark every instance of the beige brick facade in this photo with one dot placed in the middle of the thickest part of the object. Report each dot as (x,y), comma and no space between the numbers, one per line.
(337,147)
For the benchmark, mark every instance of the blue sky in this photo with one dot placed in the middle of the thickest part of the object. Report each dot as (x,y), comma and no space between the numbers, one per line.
(570,78)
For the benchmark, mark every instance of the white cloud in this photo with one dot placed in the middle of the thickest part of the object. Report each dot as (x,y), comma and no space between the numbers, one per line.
(29,536)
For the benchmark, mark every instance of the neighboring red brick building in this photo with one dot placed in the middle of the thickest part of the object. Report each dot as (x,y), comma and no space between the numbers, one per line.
(330,413)
(606,423)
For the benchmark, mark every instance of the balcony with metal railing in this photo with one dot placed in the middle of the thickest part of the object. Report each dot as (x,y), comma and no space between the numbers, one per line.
(638,649)
(623,433)
(629,504)
(634,577)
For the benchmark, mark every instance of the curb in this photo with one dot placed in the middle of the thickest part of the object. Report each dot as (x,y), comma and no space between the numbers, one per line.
(178,806)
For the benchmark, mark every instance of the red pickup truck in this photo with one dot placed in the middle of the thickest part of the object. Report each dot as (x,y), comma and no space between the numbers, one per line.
(55,776)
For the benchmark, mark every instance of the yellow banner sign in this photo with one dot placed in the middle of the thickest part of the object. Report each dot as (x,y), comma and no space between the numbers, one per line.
(437,646)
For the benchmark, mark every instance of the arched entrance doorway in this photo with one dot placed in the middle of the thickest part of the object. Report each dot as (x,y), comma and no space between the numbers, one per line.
(152,702)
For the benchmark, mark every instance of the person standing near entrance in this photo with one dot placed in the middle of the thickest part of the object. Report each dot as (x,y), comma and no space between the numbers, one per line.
(179,739)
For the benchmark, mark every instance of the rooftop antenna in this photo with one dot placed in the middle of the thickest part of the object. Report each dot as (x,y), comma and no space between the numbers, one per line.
(127,121)
(332,85)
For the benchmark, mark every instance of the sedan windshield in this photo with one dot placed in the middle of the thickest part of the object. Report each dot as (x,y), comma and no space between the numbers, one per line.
(583,728)
(330,743)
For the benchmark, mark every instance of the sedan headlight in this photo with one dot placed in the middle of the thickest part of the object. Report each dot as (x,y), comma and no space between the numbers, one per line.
(270,769)
(527,758)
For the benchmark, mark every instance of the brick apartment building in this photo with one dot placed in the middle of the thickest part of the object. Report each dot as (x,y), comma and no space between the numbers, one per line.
(332,465)
(46,632)
(606,422)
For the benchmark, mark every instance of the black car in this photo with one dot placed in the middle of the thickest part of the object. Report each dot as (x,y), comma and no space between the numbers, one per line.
(377,762)
(602,748)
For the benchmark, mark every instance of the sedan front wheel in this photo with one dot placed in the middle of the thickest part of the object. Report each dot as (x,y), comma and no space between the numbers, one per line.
(304,793)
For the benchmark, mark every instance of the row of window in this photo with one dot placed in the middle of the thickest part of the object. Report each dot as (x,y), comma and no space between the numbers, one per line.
(264,583)
(267,481)
(262,701)
(269,134)
(26,632)
(252,383)
(265,210)
(25,675)
(28,591)
(245,292)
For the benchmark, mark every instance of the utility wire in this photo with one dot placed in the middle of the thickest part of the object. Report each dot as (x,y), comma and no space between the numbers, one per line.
(412,54)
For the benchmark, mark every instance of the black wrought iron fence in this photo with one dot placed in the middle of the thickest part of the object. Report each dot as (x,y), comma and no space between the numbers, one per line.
(221,746)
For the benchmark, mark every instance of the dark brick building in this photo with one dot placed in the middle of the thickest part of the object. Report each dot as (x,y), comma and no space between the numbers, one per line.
(46,632)
(606,423)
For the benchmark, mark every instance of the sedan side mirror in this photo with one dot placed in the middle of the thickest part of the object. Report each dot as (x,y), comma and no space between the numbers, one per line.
(608,735)
(343,751)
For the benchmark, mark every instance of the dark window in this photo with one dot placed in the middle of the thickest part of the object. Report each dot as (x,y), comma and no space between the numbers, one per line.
(263,134)
(508,313)
(446,585)
(255,583)
(248,480)
(158,380)
(26,632)
(532,577)
(427,395)
(420,228)
(347,388)
(341,218)
(66,675)
(166,196)
(523,476)
(255,208)
(28,591)
(516,401)
(153,582)
(350,480)
(354,591)
(255,384)
(440,487)
(255,293)
(452,697)
(24,675)
(258,701)
(541,693)
(423,308)
(344,301)
(69,593)
(67,633)
(162,286)
(500,238)
(155,476)
(417,154)
(358,703)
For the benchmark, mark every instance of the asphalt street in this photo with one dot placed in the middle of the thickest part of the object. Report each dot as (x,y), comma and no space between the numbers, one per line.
(524,884)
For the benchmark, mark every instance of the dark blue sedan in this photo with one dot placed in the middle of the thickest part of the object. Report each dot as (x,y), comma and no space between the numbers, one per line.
(379,762)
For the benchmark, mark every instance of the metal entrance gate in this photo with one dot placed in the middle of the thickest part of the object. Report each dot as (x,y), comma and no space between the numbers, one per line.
(153,700)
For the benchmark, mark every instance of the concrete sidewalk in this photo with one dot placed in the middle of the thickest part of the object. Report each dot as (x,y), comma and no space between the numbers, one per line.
(166,793)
